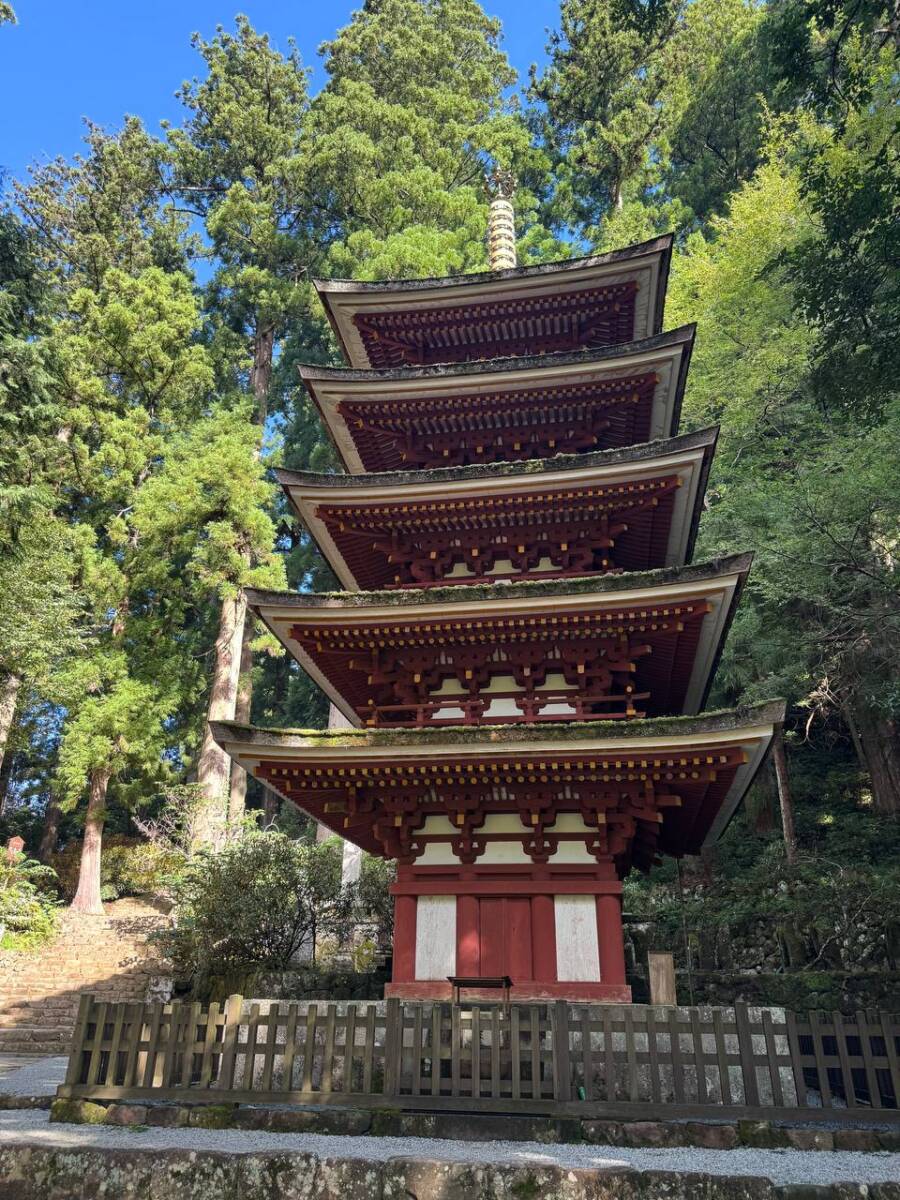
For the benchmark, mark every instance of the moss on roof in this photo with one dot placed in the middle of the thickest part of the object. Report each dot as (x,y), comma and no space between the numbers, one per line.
(626,456)
(467,593)
(493,737)
(682,335)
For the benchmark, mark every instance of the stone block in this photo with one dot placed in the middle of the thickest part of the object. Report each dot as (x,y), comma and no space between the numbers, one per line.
(77,1112)
(278,1176)
(428,1179)
(855,1139)
(192,1175)
(126,1114)
(348,1179)
(603,1133)
(805,1191)
(810,1139)
(352,1121)
(710,1136)
(648,1133)
(673,1185)
(762,1135)
(212,1116)
(169,1116)
(889,1139)
(385,1122)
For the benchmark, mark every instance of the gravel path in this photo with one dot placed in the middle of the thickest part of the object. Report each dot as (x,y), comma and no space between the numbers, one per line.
(21,1076)
(781,1166)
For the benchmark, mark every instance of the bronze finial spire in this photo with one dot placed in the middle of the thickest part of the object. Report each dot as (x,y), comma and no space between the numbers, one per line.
(501,221)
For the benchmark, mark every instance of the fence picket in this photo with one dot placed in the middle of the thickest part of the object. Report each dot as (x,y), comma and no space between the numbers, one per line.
(234,1007)
(393,1046)
(699,1058)
(437,1024)
(609,1057)
(209,1041)
(309,1048)
(136,1037)
(369,1051)
(328,1051)
(819,1054)
(515,1053)
(349,1047)
(96,1046)
(772,1060)
(416,1081)
(271,1044)
(652,1050)
(76,1057)
(536,1088)
(675,1053)
(865,1039)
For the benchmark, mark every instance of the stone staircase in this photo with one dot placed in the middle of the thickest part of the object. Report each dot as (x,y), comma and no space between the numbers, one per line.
(107,955)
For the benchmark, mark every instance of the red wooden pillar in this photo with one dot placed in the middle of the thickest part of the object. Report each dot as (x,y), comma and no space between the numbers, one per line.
(610,939)
(543,934)
(404,939)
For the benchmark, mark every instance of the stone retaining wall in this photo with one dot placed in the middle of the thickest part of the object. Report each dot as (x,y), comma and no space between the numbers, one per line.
(47,1173)
(474,1127)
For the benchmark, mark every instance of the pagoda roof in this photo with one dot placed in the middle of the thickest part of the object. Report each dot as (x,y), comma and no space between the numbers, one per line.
(711,758)
(349,516)
(602,299)
(673,621)
(633,390)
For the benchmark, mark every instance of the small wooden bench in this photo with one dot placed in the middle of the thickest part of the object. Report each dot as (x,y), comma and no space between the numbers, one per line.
(459,982)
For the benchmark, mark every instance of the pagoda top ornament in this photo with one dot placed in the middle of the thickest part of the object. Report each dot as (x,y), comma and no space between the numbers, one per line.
(501,221)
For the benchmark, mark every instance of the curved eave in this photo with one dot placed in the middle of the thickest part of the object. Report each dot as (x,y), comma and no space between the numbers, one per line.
(720,583)
(343,299)
(751,727)
(688,456)
(670,351)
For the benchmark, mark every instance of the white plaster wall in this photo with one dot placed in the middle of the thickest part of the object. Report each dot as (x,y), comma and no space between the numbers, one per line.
(435,937)
(577,951)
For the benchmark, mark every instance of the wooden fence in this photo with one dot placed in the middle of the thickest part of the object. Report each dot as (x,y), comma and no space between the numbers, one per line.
(529,1057)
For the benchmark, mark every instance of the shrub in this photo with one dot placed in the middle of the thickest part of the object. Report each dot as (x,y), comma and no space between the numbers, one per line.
(128,867)
(28,906)
(253,906)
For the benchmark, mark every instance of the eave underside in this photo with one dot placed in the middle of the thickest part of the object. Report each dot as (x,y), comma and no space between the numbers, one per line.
(637,798)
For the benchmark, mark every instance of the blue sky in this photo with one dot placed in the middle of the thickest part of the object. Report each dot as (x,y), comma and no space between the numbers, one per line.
(104,58)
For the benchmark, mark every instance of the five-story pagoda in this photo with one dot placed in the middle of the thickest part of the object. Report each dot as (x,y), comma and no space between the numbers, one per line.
(523,652)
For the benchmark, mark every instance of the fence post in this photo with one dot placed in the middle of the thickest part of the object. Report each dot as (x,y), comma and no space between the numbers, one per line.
(393,1046)
(562,1071)
(73,1069)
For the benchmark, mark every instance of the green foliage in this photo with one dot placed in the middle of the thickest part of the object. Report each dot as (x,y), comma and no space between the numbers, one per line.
(254,905)
(129,867)
(835,910)
(414,108)
(28,906)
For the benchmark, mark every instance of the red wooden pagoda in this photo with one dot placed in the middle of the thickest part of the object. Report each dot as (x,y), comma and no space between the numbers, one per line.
(523,651)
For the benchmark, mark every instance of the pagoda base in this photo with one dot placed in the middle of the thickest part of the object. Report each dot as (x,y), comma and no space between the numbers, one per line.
(554,929)
(527,991)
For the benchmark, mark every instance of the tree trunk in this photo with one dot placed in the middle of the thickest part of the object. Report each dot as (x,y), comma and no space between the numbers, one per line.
(784,798)
(9,694)
(237,798)
(260,382)
(50,833)
(877,742)
(87,898)
(213,764)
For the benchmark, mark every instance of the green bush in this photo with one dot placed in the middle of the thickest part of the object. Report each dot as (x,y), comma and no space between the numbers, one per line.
(253,906)
(128,867)
(28,905)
